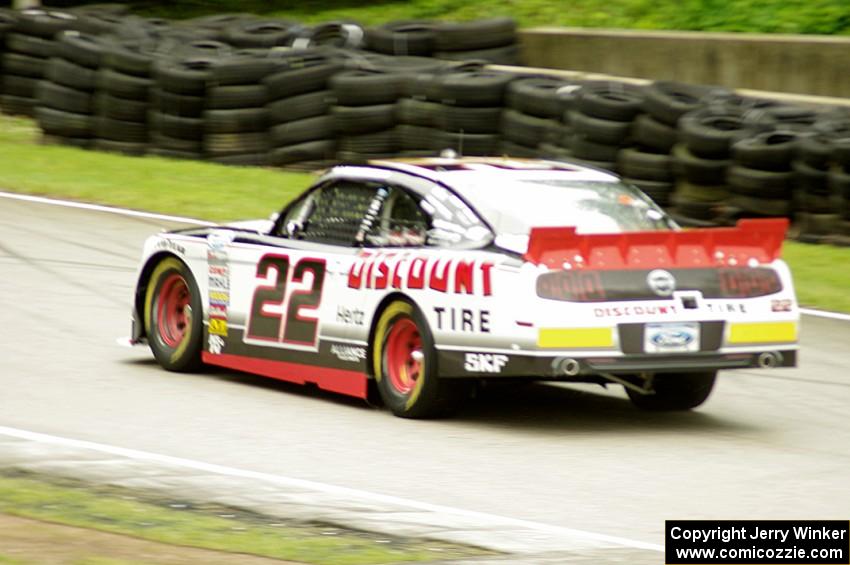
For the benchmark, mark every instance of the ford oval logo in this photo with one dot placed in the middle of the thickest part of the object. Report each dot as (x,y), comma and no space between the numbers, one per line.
(661,282)
(672,338)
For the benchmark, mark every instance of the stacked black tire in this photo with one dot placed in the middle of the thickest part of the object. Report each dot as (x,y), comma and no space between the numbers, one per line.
(760,178)
(66,97)
(402,38)
(29,44)
(467,114)
(839,182)
(124,87)
(419,115)
(531,124)
(364,116)
(236,118)
(601,120)
(299,110)
(490,40)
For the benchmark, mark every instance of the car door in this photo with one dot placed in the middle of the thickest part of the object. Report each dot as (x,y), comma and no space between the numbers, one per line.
(290,298)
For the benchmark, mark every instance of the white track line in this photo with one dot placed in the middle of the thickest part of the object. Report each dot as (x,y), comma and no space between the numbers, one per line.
(320,487)
(195,221)
(825,314)
(110,209)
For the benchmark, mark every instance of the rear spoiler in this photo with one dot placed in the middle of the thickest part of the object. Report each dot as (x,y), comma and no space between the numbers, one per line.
(750,241)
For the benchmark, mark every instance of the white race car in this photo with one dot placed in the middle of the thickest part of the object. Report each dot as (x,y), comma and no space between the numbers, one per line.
(418,277)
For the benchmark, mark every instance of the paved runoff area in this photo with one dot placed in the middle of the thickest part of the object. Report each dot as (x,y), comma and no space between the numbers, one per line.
(543,473)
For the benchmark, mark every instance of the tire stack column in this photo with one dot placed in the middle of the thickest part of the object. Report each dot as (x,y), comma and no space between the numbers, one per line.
(124,86)
(29,43)
(299,110)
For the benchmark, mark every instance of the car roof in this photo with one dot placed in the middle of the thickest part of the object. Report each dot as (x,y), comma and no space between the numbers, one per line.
(445,169)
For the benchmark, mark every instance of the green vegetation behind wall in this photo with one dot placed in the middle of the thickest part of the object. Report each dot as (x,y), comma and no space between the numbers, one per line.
(762,16)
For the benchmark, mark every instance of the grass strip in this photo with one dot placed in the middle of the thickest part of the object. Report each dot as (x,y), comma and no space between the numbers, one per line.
(187,188)
(208,527)
(221,193)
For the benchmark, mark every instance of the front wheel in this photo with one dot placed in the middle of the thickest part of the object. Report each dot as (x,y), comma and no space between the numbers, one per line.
(173,316)
(676,391)
(405,367)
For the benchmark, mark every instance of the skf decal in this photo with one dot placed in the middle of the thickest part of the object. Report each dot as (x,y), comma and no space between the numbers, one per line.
(462,320)
(485,362)
(349,353)
(218,326)
(406,271)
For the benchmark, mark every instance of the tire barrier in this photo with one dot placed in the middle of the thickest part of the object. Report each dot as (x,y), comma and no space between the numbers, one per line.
(239,89)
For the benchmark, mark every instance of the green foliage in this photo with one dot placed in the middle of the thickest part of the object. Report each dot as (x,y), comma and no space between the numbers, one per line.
(758,16)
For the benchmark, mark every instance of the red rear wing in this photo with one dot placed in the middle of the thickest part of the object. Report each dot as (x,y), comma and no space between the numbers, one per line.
(559,248)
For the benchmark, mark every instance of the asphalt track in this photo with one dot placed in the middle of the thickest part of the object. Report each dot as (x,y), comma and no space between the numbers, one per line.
(768,444)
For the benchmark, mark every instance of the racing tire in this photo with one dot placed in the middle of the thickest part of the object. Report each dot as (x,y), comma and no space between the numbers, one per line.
(650,133)
(771,151)
(22,65)
(479,34)
(418,138)
(615,101)
(667,101)
(473,87)
(482,144)
(637,164)
(68,74)
(598,130)
(300,107)
(676,391)
(174,332)
(363,119)
(698,170)
(366,88)
(415,112)
(402,38)
(404,363)
(236,97)
(510,149)
(524,129)
(537,96)
(29,45)
(467,119)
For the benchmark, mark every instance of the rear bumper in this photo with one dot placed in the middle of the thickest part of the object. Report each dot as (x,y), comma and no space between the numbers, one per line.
(565,366)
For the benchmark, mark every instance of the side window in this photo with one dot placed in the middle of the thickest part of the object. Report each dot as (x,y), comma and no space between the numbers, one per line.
(332,214)
(400,221)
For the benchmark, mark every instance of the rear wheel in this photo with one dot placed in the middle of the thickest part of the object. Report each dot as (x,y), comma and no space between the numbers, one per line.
(173,316)
(405,367)
(676,391)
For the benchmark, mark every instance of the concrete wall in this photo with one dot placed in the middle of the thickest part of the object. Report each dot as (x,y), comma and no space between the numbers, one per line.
(806,64)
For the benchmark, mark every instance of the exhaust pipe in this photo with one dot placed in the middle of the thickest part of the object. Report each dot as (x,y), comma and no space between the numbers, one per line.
(569,367)
(769,359)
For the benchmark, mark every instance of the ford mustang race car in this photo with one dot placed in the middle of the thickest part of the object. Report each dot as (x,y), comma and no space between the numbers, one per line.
(415,278)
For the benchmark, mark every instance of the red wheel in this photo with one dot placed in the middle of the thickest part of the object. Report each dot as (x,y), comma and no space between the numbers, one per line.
(404,355)
(173,316)
(174,310)
(405,365)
